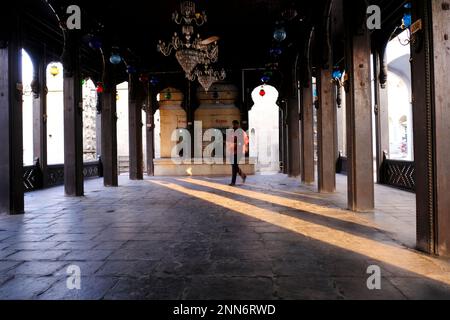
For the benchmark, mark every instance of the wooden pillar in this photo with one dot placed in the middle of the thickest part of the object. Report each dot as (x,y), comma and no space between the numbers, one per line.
(39,87)
(150,129)
(290,98)
(73,118)
(11,157)
(381,109)
(326,119)
(109,128)
(294,136)
(283,142)
(431,107)
(307,136)
(190,107)
(135,103)
(150,140)
(359,110)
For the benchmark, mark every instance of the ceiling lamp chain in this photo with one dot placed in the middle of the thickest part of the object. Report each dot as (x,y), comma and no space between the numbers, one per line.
(188,15)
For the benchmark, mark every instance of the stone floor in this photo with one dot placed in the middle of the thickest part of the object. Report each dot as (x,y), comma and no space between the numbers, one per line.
(177,238)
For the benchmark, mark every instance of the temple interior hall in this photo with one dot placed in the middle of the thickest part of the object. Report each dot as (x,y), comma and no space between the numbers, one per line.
(225,150)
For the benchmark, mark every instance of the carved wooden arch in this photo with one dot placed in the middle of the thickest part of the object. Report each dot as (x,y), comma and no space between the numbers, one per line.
(306,64)
(326,35)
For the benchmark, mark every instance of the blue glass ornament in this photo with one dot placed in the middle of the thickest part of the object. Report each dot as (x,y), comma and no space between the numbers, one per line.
(115,58)
(407,20)
(280,34)
(337,74)
(131,69)
(95,43)
(265,78)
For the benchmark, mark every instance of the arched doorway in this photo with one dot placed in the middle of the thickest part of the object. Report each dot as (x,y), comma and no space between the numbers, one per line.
(27,115)
(90,151)
(55,113)
(264,129)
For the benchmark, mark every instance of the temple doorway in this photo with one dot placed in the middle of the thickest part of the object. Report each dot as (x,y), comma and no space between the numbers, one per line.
(264,130)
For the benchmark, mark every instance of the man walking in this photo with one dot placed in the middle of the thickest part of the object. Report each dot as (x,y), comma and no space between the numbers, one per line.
(237,144)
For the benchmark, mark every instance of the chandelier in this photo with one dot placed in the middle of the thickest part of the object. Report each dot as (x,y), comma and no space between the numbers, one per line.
(192,51)
(208,77)
(188,15)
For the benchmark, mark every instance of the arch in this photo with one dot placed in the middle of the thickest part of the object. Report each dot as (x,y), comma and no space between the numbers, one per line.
(123,151)
(55,113)
(27,114)
(264,128)
(157,133)
(400,98)
(90,152)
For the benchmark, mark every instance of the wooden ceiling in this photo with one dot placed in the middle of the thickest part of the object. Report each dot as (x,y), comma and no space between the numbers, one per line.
(245,27)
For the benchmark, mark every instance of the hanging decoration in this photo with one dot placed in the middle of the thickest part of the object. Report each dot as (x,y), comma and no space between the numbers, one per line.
(337,74)
(266,77)
(143,78)
(153,81)
(189,53)
(406,24)
(276,52)
(130,69)
(208,76)
(95,43)
(280,34)
(99,87)
(407,18)
(54,70)
(262,92)
(168,95)
(191,50)
(188,15)
(339,82)
(115,58)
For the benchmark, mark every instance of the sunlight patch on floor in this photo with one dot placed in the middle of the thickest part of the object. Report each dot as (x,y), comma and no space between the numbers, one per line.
(399,257)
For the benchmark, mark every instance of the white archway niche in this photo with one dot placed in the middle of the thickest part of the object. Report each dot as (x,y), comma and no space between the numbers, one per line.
(264,130)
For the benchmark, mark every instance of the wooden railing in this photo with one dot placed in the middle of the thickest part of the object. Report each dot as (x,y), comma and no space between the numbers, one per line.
(398,174)
(394,173)
(341,165)
(33,177)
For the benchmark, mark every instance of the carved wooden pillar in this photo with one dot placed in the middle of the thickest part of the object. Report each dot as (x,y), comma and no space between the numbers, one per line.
(359,109)
(326,119)
(109,128)
(73,117)
(430,55)
(11,157)
(135,103)
(289,93)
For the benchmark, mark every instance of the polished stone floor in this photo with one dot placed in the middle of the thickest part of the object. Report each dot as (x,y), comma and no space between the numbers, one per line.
(179,238)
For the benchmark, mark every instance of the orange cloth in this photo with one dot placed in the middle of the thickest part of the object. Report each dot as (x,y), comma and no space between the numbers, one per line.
(242,142)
